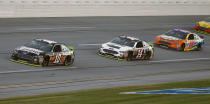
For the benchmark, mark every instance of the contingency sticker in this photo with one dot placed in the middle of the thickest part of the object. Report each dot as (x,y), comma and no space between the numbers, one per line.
(205,90)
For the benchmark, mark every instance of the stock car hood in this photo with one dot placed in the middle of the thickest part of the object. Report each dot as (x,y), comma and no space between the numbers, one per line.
(29,50)
(116,47)
(204,24)
(170,38)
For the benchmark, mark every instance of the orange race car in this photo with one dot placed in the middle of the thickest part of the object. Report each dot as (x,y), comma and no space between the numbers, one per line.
(182,40)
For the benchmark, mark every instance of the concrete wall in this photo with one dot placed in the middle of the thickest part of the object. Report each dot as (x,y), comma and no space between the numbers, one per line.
(67,8)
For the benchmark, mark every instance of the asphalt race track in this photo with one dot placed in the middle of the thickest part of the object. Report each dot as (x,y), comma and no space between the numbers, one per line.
(90,70)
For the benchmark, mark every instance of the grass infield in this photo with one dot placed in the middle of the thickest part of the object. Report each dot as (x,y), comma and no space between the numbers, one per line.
(112,96)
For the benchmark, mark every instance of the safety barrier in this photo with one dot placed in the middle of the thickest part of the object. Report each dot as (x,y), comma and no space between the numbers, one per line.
(65,8)
(104,2)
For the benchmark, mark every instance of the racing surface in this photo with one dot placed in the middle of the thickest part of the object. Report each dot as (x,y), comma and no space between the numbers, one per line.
(90,70)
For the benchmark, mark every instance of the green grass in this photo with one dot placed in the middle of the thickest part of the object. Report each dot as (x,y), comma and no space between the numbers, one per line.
(112,96)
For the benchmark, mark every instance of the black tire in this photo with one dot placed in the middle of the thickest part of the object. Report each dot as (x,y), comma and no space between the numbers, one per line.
(182,47)
(68,61)
(199,48)
(149,54)
(130,56)
(45,61)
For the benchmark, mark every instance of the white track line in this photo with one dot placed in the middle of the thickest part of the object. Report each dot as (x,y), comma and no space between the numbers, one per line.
(89,44)
(47,28)
(34,70)
(179,60)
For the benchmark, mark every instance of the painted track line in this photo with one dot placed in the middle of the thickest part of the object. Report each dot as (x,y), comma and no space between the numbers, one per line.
(51,69)
(179,60)
(52,28)
(89,44)
(35,70)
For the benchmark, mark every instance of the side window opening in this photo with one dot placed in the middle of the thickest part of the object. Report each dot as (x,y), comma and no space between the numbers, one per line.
(57,48)
(139,45)
(191,37)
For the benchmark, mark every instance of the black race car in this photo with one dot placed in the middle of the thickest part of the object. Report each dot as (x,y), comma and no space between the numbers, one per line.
(44,52)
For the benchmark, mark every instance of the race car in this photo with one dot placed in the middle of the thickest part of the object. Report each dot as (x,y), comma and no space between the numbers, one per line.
(44,52)
(126,47)
(203,25)
(179,39)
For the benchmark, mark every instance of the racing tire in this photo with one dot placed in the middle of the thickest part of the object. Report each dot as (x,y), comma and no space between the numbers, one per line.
(45,61)
(148,56)
(182,48)
(68,61)
(130,56)
(199,48)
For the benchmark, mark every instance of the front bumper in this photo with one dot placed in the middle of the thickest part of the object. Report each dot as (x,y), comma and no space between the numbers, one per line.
(112,53)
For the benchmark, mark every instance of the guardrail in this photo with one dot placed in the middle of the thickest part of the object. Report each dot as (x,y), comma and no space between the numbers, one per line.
(104,2)
(63,8)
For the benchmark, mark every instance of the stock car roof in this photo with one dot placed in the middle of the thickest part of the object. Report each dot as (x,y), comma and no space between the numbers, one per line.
(183,31)
(131,38)
(45,40)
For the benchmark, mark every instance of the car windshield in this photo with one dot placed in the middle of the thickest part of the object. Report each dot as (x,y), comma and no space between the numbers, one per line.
(41,45)
(177,34)
(124,41)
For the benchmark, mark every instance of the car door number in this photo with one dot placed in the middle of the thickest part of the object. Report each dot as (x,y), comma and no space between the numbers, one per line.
(140,53)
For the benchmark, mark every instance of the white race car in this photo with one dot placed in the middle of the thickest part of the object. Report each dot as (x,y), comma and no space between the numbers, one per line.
(129,48)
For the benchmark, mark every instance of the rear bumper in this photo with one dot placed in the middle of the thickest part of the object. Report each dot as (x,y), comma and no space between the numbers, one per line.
(199,28)
(29,59)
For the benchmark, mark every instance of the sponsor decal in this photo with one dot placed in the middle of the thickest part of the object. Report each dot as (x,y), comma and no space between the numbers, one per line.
(205,90)
(32,50)
(111,49)
(111,57)
(58,58)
